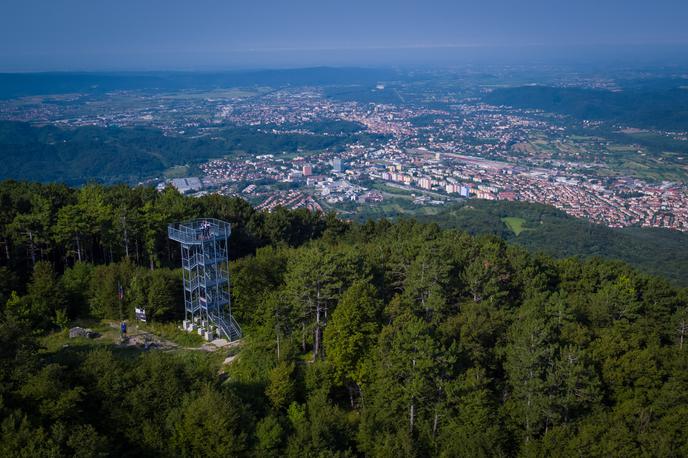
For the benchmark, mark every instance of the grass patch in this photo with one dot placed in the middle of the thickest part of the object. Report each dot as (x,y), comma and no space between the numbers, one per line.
(171,332)
(109,334)
(392,190)
(178,171)
(514,224)
(59,347)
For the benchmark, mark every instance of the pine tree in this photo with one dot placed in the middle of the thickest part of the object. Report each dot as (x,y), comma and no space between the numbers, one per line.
(351,334)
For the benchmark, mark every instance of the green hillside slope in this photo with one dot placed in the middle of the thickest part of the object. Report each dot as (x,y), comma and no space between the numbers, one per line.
(542,228)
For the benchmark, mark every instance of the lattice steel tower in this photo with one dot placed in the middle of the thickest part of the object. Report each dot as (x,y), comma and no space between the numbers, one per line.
(206,274)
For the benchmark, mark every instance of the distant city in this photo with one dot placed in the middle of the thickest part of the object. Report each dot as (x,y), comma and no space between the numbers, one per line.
(404,143)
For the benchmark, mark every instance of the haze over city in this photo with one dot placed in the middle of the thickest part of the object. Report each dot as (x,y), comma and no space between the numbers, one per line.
(174,34)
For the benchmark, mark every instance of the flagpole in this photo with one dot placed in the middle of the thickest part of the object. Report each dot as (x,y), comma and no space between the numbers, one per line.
(120,297)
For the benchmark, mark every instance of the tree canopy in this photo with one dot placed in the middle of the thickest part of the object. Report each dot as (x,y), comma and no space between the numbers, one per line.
(372,339)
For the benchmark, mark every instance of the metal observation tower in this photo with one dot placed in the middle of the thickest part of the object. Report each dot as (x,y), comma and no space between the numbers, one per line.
(206,277)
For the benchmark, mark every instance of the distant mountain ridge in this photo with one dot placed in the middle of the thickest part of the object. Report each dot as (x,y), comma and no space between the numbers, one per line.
(28,84)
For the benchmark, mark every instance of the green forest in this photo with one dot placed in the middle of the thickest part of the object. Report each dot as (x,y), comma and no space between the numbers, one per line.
(112,155)
(654,250)
(377,339)
(659,106)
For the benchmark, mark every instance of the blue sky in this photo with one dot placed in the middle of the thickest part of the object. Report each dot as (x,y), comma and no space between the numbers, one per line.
(130,34)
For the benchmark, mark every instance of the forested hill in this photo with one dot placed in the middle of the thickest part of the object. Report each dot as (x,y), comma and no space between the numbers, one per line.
(659,107)
(375,339)
(126,155)
(547,229)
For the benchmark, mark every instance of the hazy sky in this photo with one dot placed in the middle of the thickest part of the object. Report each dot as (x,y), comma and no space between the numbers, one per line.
(129,34)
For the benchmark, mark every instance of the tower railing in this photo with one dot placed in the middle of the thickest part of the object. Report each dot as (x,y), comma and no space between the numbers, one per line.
(199,230)
(204,244)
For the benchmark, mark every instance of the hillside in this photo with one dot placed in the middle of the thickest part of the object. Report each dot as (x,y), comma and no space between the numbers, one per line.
(110,155)
(373,339)
(543,228)
(659,107)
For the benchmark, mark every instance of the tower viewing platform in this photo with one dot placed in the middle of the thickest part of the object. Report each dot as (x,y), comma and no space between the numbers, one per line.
(198,231)
(205,270)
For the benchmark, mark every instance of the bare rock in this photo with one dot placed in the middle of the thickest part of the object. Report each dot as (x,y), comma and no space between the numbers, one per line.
(82,332)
